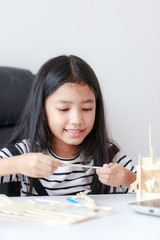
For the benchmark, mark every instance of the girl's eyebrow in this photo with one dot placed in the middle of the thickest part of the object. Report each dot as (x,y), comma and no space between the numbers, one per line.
(85,101)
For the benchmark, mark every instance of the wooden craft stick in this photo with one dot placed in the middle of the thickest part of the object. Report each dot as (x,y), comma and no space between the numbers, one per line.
(150,145)
(81,165)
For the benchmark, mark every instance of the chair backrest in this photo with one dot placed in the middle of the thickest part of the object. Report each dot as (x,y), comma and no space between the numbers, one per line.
(15,86)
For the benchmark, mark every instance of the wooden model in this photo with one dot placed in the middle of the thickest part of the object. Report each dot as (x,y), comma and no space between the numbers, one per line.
(72,210)
(147,185)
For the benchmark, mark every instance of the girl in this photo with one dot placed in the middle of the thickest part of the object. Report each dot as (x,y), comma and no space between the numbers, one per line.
(64,122)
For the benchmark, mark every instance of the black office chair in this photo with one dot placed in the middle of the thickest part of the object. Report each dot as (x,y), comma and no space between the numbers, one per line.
(15,86)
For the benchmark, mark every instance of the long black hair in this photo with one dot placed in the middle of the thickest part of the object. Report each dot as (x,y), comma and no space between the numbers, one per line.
(34,127)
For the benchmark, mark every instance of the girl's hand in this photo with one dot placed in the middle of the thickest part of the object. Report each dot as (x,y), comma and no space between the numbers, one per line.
(37,165)
(113,174)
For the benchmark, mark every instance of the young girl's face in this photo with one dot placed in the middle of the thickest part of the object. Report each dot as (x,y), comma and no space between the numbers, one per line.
(70,113)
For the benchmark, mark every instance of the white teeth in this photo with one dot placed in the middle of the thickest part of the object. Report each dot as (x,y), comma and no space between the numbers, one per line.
(73,131)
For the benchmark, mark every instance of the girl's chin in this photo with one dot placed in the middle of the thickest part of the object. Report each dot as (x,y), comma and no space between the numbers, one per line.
(75,142)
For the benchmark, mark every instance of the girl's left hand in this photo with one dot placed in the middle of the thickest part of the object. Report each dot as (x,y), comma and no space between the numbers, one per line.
(112,174)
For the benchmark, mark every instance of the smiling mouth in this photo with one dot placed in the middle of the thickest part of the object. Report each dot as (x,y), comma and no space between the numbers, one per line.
(73,131)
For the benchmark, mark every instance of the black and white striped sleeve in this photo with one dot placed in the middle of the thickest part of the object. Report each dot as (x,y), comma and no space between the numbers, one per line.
(125,161)
(5,153)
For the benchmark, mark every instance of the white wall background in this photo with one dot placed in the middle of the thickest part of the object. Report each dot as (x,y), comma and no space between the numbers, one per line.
(120,39)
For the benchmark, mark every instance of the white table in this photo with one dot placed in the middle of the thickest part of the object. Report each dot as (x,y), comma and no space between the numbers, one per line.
(121,223)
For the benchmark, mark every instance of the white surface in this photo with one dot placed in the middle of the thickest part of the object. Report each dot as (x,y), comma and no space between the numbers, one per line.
(119,39)
(122,223)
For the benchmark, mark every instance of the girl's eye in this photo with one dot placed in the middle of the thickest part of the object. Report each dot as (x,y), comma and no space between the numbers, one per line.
(86,109)
(63,109)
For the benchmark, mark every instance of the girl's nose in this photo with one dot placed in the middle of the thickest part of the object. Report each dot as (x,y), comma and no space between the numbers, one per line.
(76,118)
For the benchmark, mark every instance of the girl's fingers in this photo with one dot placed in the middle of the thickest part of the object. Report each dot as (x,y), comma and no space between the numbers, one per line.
(39,165)
(51,161)
(108,165)
(108,177)
(47,168)
(109,181)
(106,170)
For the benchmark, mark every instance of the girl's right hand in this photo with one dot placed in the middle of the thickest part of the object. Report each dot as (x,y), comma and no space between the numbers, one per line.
(37,165)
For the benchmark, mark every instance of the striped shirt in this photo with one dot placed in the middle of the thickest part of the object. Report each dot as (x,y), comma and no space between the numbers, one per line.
(67,179)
